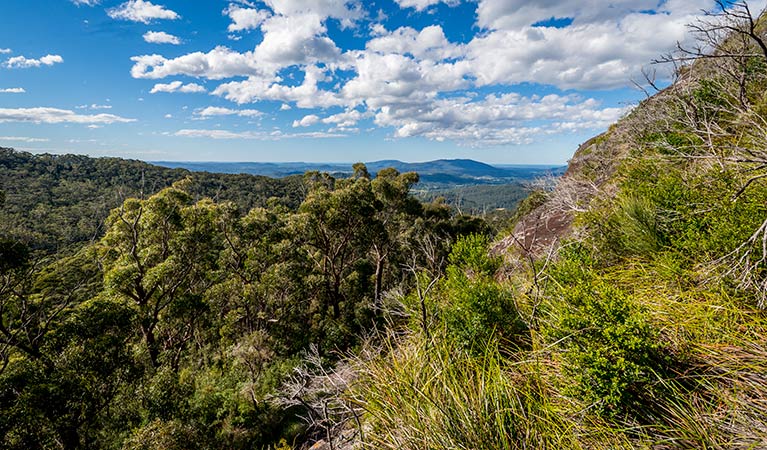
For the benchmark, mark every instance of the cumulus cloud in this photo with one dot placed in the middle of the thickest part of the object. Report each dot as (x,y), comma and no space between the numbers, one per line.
(347,11)
(245,18)
(515,14)
(141,11)
(429,43)
(420,5)
(306,95)
(177,86)
(419,83)
(603,48)
(213,111)
(86,2)
(505,119)
(217,64)
(13,91)
(344,120)
(306,121)
(295,40)
(21,62)
(55,116)
(5,51)
(295,34)
(161,37)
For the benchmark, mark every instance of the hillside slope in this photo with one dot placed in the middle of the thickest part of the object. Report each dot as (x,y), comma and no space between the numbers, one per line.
(627,307)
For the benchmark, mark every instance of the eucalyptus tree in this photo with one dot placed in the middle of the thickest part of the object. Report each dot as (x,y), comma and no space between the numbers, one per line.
(160,253)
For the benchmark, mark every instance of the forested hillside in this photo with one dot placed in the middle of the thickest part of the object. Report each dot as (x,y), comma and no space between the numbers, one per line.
(624,309)
(52,201)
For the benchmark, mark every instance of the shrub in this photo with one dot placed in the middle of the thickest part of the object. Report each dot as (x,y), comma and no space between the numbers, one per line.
(475,307)
(611,352)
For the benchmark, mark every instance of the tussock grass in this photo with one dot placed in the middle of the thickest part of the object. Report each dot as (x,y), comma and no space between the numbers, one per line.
(436,395)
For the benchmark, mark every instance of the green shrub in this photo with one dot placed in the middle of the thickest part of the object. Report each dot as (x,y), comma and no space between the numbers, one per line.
(475,307)
(611,352)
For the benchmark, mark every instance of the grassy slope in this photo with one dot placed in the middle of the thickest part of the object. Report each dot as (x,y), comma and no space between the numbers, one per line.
(646,327)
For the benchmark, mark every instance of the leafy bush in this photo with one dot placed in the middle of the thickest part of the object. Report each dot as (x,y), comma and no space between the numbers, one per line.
(475,307)
(611,352)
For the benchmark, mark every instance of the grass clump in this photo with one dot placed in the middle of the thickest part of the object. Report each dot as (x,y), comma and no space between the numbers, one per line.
(437,395)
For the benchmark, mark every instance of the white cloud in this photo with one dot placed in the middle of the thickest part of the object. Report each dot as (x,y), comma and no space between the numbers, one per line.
(5,51)
(294,40)
(591,56)
(494,120)
(161,37)
(295,35)
(55,115)
(420,84)
(347,11)
(168,116)
(213,111)
(21,62)
(305,95)
(219,63)
(94,106)
(429,43)
(245,18)
(420,5)
(603,48)
(515,14)
(253,135)
(306,121)
(344,120)
(13,91)
(177,86)
(22,139)
(141,11)
(86,2)
(392,79)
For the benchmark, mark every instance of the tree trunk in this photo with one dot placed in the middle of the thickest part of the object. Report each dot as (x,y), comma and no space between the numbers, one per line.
(379,280)
(151,342)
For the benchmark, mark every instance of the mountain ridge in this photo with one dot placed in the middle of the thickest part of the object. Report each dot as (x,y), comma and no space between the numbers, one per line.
(447,171)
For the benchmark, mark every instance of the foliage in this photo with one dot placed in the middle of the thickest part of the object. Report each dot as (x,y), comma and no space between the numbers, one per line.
(612,353)
(475,307)
(180,325)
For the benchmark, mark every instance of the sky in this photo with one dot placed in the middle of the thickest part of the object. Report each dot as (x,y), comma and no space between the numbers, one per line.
(501,81)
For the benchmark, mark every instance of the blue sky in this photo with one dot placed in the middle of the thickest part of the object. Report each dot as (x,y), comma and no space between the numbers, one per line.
(503,81)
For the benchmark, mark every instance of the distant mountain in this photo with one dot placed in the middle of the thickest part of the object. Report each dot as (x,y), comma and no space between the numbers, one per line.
(440,172)
(460,167)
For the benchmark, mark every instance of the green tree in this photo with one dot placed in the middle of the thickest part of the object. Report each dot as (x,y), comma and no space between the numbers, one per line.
(397,213)
(160,254)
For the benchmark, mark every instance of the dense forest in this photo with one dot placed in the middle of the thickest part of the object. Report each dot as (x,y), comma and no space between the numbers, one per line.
(623,308)
(178,317)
